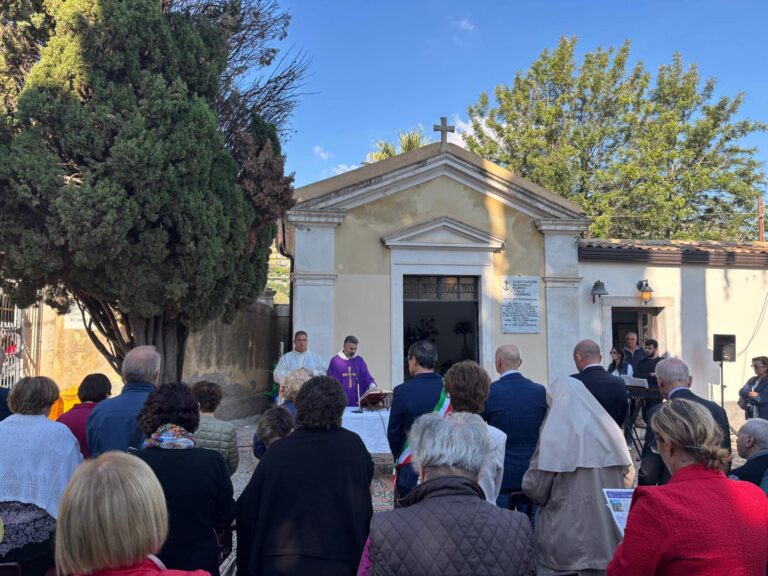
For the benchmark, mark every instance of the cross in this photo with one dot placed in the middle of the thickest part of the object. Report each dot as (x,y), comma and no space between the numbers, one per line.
(349,375)
(444,128)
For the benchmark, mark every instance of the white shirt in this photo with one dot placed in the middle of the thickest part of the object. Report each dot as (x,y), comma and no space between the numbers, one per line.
(294,360)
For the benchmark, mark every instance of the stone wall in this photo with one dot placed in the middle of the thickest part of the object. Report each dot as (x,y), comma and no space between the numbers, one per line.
(239,356)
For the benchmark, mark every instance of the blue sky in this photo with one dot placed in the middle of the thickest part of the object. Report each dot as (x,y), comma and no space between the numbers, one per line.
(377,67)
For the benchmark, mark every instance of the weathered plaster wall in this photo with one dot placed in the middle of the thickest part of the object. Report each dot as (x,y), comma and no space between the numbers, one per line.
(362,262)
(239,356)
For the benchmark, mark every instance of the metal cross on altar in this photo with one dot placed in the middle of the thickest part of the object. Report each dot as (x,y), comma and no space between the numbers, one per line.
(444,128)
(349,375)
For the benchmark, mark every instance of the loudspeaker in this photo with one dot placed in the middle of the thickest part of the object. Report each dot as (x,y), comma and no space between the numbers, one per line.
(724,348)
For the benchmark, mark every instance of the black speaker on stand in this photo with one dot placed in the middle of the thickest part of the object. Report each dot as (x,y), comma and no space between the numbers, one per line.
(723,350)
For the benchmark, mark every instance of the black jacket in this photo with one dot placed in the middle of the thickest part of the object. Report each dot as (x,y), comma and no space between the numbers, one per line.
(308,504)
(608,389)
(652,469)
(753,470)
(645,368)
(447,527)
(198,493)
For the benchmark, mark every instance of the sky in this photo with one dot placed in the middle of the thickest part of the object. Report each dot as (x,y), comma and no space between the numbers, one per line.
(377,67)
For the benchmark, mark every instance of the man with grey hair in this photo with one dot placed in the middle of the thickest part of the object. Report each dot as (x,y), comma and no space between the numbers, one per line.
(112,424)
(609,390)
(752,444)
(445,524)
(516,406)
(675,381)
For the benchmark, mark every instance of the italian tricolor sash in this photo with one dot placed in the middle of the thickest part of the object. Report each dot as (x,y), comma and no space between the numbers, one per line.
(443,407)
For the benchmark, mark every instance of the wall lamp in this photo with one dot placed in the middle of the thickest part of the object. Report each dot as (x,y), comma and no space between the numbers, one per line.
(598,289)
(646,292)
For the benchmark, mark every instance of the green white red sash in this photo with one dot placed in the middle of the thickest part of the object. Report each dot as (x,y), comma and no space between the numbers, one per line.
(443,408)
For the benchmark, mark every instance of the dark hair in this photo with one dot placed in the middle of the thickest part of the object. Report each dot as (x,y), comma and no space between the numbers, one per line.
(760,359)
(300,333)
(351,340)
(425,354)
(469,386)
(94,388)
(320,403)
(208,395)
(274,424)
(651,342)
(616,365)
(169,404)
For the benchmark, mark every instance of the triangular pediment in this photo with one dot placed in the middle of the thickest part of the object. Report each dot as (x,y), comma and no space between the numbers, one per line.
(374,181)
(445,233)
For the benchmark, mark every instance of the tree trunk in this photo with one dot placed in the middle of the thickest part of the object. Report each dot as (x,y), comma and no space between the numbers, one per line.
(114,334)
(166,334)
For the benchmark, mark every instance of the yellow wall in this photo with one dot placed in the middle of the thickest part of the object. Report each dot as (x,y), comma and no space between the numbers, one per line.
(362,262)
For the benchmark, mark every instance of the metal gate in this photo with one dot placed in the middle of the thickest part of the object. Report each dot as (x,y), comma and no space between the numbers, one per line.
(19,338)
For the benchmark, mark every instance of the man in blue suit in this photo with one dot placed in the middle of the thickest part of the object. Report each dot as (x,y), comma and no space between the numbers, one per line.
(516,406)
(419,395)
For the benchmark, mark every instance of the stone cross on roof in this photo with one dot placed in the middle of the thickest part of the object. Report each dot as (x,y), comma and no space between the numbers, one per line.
(444,128)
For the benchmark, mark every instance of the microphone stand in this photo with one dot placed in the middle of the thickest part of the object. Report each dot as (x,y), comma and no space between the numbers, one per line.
(359,406)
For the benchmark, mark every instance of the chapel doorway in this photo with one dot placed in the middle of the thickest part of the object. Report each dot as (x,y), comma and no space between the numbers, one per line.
(444,310)
(642,321)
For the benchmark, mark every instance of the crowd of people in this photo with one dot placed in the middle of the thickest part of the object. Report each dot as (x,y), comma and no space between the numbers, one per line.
(502,477)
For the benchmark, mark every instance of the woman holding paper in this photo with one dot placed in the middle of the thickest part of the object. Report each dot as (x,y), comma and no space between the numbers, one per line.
(700,522)
(581,451)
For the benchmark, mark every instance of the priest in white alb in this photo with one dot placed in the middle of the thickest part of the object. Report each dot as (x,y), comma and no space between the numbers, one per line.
(297,358)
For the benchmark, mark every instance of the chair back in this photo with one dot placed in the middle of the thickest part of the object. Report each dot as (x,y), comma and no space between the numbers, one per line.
(10,569)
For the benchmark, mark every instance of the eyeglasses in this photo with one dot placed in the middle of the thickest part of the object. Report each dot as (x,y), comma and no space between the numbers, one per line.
(758,366)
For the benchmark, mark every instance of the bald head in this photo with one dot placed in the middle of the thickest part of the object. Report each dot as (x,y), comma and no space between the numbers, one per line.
(585,353)
(507,358)
(142,364)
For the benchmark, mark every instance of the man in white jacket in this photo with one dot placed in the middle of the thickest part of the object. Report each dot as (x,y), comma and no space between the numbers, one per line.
(299,357)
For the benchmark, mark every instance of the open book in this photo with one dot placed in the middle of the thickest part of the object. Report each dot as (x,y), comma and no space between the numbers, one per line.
(376,398)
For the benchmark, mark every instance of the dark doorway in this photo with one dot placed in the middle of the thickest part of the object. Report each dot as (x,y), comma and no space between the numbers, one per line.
(641,321)
(443,310)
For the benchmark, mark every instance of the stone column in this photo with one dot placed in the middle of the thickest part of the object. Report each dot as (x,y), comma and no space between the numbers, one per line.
(314,277)
(562,291)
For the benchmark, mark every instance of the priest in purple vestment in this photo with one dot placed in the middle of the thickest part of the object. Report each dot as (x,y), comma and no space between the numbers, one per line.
(351,371)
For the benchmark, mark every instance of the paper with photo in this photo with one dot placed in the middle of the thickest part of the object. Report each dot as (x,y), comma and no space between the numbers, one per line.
(619,501)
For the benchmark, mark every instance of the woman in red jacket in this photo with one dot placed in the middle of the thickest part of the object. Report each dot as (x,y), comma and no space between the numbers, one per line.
(112,520)
(700,522)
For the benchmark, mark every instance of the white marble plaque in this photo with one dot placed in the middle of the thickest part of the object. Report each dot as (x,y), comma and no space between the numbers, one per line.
(520,306)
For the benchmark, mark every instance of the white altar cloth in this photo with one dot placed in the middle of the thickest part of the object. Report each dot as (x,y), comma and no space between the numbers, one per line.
(371,426)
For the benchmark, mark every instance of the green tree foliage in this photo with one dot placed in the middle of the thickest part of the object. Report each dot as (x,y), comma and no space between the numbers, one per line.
(118,193)
(406,141)
(642,160)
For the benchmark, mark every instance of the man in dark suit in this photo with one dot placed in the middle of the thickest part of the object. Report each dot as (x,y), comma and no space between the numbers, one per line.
(752,444)
(516,406)
(674,383)
(420,395)
(608,389)
(646,370)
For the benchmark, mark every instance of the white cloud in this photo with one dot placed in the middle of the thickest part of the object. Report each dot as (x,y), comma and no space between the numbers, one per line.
(464,24)
(341,168)
(322,153)
(462,128)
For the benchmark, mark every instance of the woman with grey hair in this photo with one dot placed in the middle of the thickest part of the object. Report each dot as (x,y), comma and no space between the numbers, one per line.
(445,525)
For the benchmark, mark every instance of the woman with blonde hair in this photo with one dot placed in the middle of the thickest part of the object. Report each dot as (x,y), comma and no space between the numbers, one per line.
(37,459)
(113,520)
(290,388)
(700,522)
(581,451)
